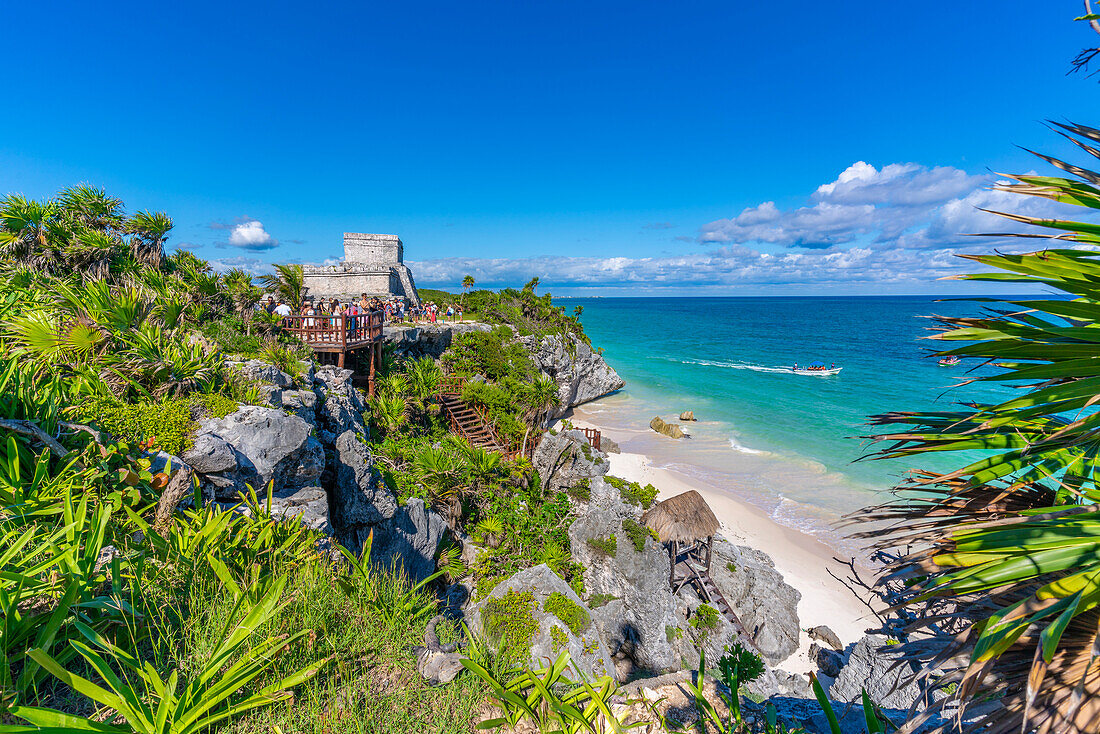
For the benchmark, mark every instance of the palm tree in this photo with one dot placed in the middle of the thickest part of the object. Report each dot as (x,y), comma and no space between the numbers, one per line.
(287,284)
(531,285)
(542,395)
(243,294)
(468,282)
(148,233)
(1002,567)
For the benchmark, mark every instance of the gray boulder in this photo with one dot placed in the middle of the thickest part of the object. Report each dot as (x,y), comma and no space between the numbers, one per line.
(308,504)
(259,371)
(551,634)
(871,666)
(761,599)
(210,455)
(581,373)
(302,403)
(268,445)
(341,404)
(566,459)
(417,341)
(409,539)
(358,497)
(643,622)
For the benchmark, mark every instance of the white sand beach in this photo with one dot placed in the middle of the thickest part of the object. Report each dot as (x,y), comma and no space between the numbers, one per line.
(804,561)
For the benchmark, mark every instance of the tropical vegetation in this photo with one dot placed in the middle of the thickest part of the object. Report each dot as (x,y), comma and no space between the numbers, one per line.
(999,567)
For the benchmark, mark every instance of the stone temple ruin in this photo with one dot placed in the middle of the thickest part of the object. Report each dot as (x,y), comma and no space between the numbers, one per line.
(373,264)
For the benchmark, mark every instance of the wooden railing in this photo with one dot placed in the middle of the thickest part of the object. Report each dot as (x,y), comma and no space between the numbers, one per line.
(593,437)
(341,332)
(451,386)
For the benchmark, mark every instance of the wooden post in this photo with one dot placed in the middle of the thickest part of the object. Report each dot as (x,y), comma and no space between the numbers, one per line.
(710,551)
(672,565)
(370,374)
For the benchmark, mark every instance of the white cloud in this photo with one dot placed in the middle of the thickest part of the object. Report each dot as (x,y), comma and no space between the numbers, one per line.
(248,264)
(251,235)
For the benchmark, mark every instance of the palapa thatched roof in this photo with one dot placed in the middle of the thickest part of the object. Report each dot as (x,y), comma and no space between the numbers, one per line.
(684,518)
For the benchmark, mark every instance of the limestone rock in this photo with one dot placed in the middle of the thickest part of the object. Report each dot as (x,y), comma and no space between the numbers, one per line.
(308,504)
(870,666)
(358,498)
(268,445)
(260,371)
(822,633)
(342,405)
(687,415)
(643,621)
(761,599)
(418,341)
(668,429)
(162,461)
(581,373)
(586,648)
(302,403)
(566,459)
(827,661)
(410,539)
(210,454)
(608,446)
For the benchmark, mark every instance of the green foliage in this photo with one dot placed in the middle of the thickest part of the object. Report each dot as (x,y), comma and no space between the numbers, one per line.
(735,667)
(558,638)
(598,600)
(606,547)
(509,623)
(572,614)
(169,424)
(731,567)
(673,633)
(632,492)
(550,701)
(230,335)
(582,490)
(637,533)
(705,618)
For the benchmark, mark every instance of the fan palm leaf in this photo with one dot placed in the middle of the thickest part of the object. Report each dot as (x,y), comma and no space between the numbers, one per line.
(1002,559)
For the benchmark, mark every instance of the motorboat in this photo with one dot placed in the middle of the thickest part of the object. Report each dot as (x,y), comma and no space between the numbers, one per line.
(817,369)
(950,361)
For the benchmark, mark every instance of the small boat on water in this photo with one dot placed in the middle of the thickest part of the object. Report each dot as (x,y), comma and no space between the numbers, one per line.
(817,369)
(949,361)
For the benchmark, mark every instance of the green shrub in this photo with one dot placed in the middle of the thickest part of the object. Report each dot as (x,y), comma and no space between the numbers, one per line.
(558,638)
(168,423)
(731,567)
(171,423)
(633,493)
(582,490)
(637,533)
(705,618)
(673,633)
(509,623)
(572,614)
(598,600)
(604,547)
(228,333)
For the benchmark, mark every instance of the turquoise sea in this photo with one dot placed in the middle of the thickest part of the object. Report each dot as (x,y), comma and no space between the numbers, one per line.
(786,442)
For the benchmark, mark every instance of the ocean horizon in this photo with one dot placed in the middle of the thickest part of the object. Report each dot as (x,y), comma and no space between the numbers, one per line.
(791,444)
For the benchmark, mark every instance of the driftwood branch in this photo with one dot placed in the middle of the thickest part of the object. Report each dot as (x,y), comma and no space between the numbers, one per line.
(98,436)
(178,487)
(26,428)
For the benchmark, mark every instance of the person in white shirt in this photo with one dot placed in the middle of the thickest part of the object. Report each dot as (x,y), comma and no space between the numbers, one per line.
(282,309)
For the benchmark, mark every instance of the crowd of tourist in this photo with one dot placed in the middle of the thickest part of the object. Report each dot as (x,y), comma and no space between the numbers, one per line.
(322,313)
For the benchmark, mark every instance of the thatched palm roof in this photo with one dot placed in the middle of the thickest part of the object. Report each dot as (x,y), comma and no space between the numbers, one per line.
(684,518)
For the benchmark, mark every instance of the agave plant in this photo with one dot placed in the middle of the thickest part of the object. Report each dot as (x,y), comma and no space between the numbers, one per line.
(154,704)
(1003,559)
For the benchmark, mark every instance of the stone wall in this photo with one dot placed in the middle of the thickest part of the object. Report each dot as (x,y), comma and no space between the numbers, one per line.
(379,250)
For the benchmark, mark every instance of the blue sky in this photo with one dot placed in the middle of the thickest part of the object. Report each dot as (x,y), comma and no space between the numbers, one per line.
(620,148)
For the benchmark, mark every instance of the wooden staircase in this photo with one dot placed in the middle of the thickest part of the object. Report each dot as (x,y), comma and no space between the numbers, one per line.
(466,420)
(690,570)
(469,424)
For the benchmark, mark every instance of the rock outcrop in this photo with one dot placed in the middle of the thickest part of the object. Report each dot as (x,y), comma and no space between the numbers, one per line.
(359,499)
(267,445)
(870,666)
(642,621)
(427,340)
(409,539)
(566,459)
(761,599)
(581,373)
(551,635)
(687,415)
(668,429)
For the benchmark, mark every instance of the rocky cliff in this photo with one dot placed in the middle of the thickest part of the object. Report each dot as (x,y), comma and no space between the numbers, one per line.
(581,372)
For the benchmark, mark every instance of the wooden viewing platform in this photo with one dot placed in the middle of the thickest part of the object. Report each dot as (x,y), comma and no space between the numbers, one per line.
(343,337)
